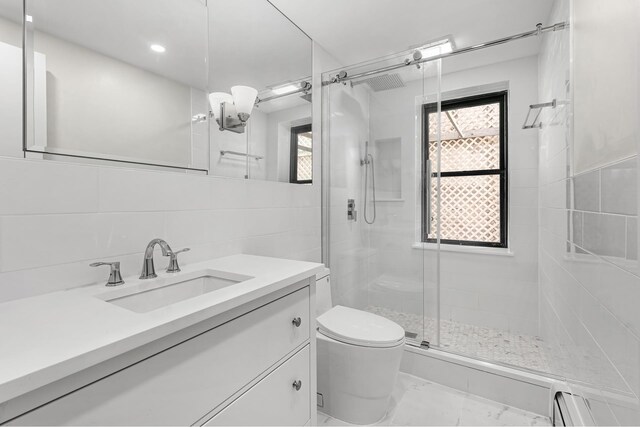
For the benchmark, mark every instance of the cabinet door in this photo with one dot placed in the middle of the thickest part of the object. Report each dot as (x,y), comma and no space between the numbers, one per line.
(274,400)
(182,384)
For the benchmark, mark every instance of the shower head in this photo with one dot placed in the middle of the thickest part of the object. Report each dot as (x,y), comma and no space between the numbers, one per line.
(382,82)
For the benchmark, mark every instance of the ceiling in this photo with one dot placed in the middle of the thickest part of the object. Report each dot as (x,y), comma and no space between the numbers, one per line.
(253,44)
(248,42)
(125,29)
(361,30)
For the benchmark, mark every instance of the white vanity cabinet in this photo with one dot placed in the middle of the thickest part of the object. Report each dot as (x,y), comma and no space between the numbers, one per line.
(256,368)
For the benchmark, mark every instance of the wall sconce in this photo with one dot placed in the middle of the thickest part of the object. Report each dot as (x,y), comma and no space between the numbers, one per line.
(232,111)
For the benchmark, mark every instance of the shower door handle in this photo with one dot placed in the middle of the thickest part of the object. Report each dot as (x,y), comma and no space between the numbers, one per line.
(427,192)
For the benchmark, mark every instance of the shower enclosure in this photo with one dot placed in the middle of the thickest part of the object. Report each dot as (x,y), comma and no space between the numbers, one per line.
(493,196)
(444,236)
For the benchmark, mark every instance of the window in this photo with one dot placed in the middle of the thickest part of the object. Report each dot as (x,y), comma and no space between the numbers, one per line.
(301,155)
(473,165)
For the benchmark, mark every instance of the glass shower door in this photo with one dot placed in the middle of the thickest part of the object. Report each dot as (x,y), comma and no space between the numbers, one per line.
(372,147)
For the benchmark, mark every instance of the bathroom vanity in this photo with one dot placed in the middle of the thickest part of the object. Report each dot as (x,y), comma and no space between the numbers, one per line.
(225,342)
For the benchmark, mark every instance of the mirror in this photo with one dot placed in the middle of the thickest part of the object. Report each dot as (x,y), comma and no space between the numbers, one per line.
(128,81)
(253,44)
(118,79)
(11,78)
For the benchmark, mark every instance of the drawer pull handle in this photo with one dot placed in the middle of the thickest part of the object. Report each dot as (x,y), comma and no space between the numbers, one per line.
(297,385)
(296,322)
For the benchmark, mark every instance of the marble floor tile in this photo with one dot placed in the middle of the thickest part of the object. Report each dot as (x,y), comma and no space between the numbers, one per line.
(511,348)
(417,402)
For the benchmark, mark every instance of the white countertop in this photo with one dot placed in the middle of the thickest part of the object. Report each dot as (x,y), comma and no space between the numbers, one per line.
(48,337)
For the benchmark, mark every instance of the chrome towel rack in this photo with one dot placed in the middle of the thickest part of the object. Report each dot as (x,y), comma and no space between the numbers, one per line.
(237,153)
(539,107)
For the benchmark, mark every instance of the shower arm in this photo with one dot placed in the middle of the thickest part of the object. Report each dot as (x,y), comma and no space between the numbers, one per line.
(344,77)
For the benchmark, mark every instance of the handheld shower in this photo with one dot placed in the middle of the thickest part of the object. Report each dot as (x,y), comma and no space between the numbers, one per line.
(366,162)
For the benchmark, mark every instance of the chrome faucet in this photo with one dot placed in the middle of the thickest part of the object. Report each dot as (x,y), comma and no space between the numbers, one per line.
(115,278)
(148,269)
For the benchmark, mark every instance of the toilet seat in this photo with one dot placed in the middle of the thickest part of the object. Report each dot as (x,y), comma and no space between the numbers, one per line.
(360,328)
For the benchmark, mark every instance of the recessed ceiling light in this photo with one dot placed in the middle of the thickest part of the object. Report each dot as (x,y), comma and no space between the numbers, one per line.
(158,48)
(29,18)
(285,89)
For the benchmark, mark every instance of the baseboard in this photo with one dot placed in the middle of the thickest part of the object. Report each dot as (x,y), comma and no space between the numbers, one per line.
(520,389)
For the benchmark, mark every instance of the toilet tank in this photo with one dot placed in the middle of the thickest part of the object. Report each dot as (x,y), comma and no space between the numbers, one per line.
(323,292)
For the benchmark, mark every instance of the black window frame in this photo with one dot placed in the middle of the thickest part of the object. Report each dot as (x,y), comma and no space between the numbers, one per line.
(293,158)
(471,101)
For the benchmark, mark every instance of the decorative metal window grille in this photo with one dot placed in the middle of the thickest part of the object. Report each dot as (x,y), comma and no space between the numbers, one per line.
(301,170)
(473,171)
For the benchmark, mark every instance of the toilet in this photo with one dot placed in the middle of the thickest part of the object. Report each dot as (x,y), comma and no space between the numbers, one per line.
(359,356)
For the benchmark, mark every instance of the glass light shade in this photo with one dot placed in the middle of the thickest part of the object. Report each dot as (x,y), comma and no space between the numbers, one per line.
(215,98)
(244,98)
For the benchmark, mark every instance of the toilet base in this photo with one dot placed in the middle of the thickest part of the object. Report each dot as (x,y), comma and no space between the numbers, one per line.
(356,382)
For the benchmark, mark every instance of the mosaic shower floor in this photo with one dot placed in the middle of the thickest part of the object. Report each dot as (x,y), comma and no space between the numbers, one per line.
(520,350)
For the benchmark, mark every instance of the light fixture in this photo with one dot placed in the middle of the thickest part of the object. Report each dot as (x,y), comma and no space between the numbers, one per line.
(436,48)
(232,111)
(28,18)
(158,48)
(285,89)
(217,98)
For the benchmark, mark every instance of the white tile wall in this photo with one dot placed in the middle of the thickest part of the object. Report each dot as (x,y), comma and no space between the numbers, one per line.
(589,282)
(60,217)
(484,290)
(57,217)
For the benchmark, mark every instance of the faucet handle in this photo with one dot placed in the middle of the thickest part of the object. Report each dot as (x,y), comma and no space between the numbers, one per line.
(115,278)
(173,260)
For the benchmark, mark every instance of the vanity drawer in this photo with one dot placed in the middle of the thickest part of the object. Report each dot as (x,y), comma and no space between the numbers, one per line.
(274,400)
(183,383)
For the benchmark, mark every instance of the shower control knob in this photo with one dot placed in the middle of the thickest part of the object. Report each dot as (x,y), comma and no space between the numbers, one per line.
(297,385)
(296,322)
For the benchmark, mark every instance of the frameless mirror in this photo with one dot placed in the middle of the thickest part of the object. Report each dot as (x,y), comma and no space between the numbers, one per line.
(118,79)
(11,78)
(253,44)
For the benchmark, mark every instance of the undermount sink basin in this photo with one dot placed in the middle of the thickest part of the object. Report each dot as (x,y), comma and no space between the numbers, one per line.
(172,291)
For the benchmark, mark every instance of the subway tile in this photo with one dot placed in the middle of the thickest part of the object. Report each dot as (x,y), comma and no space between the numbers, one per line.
(189,228)
(619,188)
(125,190)
(230,193)
(632,238)
(524,197)
(129,232)
(615,340)
(523,178)
(576,218)
(524,155)
(604,234)
(558,166)
(522,215)
(46,187)
(41,240)
(586,189)
(40,280)
(459,298)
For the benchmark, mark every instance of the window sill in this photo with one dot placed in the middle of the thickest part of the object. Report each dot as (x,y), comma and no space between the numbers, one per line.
(464,249)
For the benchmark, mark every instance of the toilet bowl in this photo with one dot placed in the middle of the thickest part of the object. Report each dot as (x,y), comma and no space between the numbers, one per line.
(359,356)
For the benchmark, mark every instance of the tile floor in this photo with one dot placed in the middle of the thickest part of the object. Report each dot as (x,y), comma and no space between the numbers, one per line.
(422,403)
(515,349)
